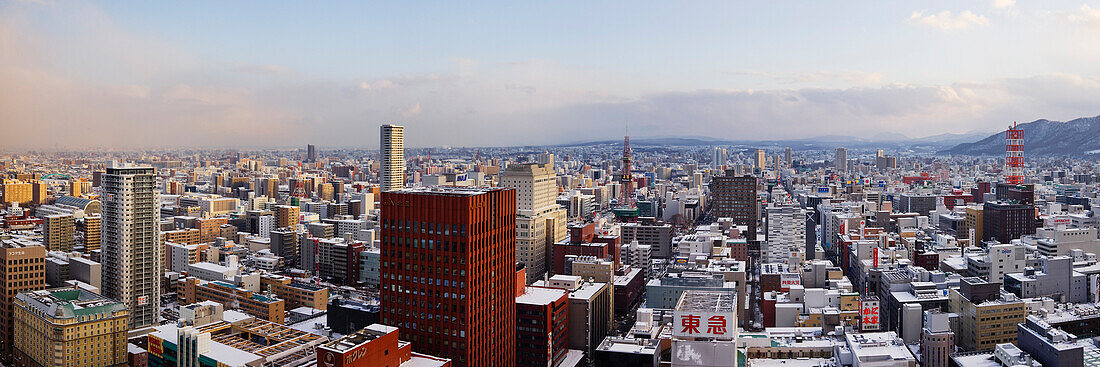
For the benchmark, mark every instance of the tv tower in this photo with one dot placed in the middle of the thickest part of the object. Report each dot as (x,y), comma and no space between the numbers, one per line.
(626,179)
(1014,155)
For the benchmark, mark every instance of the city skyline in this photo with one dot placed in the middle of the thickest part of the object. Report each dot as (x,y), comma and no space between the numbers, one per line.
(87,74)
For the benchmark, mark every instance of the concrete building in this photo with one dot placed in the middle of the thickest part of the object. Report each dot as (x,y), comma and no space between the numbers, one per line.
(263,305)
(1007,221)
(1054,278)
(131,248)
(57,232)
(230,340)
(937,340)
(591,312)
(840,160)
(987,315)
(391,173)
(883,349)
(372,346)
(286,216)
(22,269)
(998,260)
(704,330)
(540,221)
(735,197)
(542,321)
(69,327)
(1049,346)
(786,235)
(648,231)
(1060,241)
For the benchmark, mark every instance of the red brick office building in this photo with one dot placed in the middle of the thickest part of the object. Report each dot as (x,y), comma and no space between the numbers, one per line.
(448,272)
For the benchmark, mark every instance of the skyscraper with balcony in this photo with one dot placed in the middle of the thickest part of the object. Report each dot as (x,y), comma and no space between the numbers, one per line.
(448,272)
(391,173)
(132,260)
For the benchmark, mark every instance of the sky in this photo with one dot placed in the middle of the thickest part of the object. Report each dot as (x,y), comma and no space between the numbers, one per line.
(253,74)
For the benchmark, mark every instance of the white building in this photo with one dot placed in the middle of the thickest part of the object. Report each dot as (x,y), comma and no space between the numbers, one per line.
(132,257)
(392,157)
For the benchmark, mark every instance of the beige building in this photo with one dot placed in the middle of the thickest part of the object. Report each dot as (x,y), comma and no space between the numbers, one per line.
(22,268)
(391,173)
(69,327)
(593,269)
(286,216)
(540,221)
(16,191)
(57,232)
(987,316)
(974,221)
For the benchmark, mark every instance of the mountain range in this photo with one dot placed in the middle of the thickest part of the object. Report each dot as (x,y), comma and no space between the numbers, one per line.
(1042,137)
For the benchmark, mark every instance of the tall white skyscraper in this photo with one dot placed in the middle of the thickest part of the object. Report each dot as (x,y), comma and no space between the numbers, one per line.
(788,157)
(392,158)
(540,221)
(761,159)
(132,260)
(841,159)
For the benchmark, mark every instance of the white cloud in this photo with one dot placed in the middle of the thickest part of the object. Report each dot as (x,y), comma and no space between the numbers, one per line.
(947,21)
(1086,15)
(849,77)
(412,111)
(376,85)
(1003,4)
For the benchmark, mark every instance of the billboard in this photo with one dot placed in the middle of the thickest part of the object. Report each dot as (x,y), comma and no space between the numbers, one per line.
(787,280)
(704,324)
(868,314)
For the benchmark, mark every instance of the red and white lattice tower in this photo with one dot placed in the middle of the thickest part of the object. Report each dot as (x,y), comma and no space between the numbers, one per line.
(1014,155)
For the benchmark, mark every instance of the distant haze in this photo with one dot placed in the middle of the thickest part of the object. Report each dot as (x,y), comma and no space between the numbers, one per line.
(269,74)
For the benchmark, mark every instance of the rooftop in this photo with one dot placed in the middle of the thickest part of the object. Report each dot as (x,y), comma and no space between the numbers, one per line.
(448,190)
(540,296)
(68,302)
(707,301)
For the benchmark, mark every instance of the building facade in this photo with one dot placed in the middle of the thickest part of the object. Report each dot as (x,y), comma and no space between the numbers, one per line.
(131,248)
(69,327)
(458,243)
(391,169)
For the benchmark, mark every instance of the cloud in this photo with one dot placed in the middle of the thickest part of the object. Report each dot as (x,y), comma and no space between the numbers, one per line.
(262,69)
(376,85)
(1003,4)
(411,112)
(847,76)
(58,90)
(1086,15)
(947,21)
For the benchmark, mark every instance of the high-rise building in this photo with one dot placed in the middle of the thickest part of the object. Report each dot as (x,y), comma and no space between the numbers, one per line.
(91,227)
(448,271)
(57,232)
(22,268)
(735,197)
(16,191)
(286,216)
(311,153)
(719,158)
(69,327)
(131,242)
(841,160)
(760,160)
(788,157)
(391,173)
(540,221)
(1005,221)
